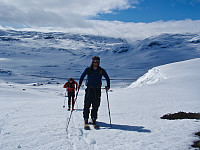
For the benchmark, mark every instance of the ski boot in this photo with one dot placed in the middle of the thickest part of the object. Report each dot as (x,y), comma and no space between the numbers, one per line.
(86,125)
(94,123)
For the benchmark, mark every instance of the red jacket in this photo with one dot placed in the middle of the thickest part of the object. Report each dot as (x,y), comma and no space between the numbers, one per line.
(70,86)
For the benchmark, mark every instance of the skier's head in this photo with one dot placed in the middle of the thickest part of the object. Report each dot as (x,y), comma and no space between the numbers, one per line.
(95,61)
(95,58)
(70,80)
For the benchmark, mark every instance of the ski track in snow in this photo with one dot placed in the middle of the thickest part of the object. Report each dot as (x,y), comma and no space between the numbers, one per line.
(92,139)
(6,119)
(83,139)
(78,135)
(28,125)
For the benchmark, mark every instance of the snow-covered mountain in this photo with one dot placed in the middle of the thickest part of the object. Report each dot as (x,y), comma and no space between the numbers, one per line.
(63,55)
(32,114)
(60,55)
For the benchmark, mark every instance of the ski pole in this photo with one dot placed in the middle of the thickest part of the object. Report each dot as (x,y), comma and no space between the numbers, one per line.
(71,112)
(65,98)
(108,108)
(76,103)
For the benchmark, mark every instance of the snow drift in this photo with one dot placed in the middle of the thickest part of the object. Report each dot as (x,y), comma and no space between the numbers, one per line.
(152,76)
(180,70)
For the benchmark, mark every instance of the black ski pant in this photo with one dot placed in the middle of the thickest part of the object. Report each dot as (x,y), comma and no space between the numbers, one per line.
(71,96)
(92,97)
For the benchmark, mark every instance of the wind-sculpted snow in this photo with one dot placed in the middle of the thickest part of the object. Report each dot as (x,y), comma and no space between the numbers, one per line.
(151,77)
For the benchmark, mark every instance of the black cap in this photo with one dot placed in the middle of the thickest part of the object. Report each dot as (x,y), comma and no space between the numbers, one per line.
(70,79)
(95,58)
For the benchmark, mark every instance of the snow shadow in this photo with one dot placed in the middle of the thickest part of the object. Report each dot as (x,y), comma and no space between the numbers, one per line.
(124,127)
(78,109)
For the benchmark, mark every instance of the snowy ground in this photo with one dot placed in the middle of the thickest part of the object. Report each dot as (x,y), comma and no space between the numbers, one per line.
(32,117)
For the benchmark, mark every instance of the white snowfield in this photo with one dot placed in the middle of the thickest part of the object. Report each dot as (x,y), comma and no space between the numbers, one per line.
(32,117)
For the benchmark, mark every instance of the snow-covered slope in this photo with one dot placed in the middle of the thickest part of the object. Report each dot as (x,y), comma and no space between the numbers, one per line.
(32,117)
(165,89)
(180,70)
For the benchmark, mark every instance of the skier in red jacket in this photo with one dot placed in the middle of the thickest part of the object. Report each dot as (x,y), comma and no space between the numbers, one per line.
(71,85)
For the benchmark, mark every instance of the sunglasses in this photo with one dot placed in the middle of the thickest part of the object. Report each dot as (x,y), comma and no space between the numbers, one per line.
(96,61)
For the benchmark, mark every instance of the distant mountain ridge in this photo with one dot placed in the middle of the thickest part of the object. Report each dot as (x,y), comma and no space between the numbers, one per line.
(63,55)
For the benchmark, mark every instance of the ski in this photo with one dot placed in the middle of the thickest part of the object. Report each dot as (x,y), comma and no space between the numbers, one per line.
(86,127)
(97,127)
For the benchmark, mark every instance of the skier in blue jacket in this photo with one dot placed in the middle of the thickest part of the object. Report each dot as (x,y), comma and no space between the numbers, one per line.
(93,91)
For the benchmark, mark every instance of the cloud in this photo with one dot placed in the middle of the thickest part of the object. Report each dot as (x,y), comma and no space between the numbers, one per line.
(135,31)
(129,31)
(74,16)
(57,12)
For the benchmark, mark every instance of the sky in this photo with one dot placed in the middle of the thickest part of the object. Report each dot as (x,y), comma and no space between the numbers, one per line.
(154,10)
(121,18)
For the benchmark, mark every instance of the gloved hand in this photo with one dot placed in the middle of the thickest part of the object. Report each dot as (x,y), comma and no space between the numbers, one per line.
(107,88)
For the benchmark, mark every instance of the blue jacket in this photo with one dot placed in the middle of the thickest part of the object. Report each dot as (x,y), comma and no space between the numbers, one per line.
(94,77)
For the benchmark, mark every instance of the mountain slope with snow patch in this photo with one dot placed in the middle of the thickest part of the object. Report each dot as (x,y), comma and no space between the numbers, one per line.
(57,55)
